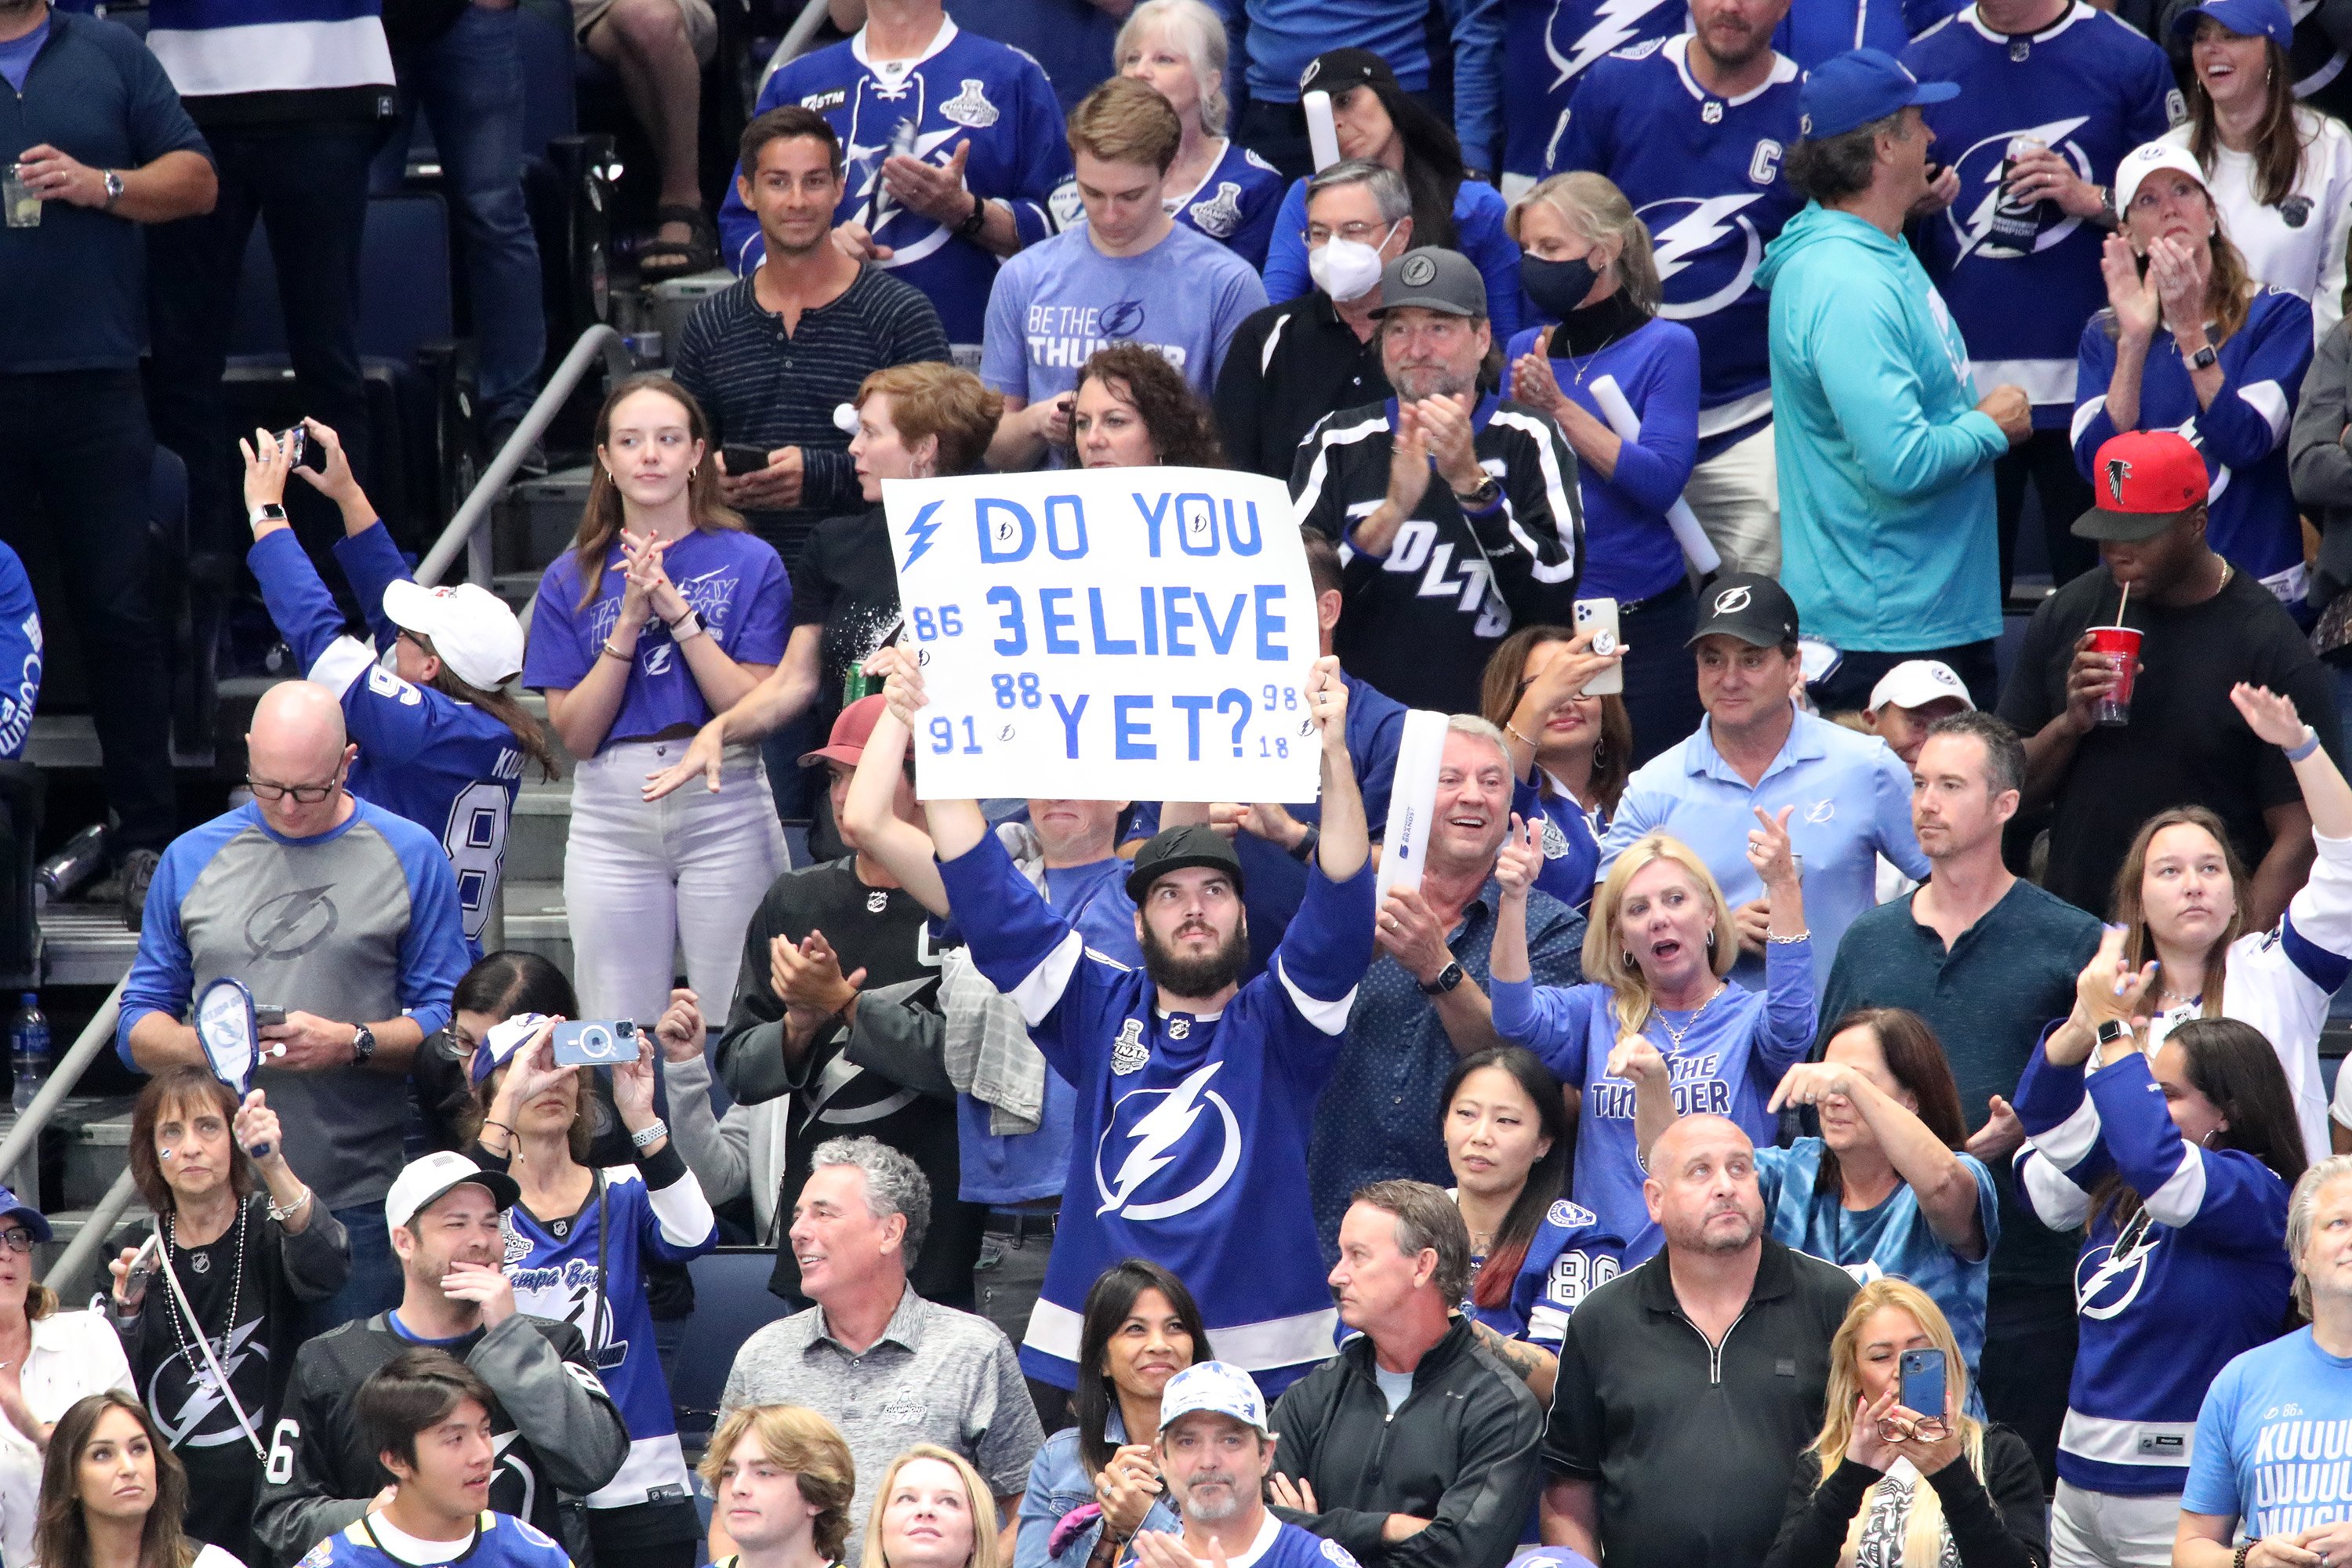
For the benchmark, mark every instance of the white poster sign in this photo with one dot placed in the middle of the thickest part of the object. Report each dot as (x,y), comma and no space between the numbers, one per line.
(1111,634)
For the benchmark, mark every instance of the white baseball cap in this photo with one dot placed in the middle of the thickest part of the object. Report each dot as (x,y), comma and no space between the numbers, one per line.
(1216,1386)
(1916,683)
(472,630)
(2147,159)
(427,1182)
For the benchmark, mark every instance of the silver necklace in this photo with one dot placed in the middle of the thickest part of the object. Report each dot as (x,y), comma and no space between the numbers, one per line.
(199,1261)
(1688,1024)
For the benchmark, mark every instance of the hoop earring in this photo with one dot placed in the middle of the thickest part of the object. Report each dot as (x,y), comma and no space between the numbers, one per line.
(1630,963)
(1710,941)
(1601,752)
(694,470)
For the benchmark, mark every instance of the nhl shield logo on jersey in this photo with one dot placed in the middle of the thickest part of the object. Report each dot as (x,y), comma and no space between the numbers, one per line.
(1128,1053)
(876,901)
(1338,1554)
(970,106)
(1179,1028)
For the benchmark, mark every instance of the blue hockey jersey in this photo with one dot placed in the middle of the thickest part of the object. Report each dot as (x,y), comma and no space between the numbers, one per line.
(499,1541)
(1235,206)
(1572,1255)
(552,1265)
(1815,31)
(963,89)
(2021,278)
(1705,174)
(1546,45)
(444,765)
(20,654)
(1190,1145)
(2198,1275)
(2251,515)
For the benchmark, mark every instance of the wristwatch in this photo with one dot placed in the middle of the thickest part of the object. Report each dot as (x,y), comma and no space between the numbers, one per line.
(272,513)
(2109,1031)
(1490,490)
(1447,979)
(113,189)
(362,1044)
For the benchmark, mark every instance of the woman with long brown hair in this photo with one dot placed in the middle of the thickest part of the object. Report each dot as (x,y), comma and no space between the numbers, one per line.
(113,1493)
(2190,340)
(1135,410)
(664,613)
(2281,174)
(48,1359)
(1570,753)
(1922,1486)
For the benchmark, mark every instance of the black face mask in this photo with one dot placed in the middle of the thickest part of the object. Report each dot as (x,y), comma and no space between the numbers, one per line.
(1558,288)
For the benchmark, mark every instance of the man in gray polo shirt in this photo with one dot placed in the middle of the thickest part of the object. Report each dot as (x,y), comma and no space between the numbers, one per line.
(891,1369)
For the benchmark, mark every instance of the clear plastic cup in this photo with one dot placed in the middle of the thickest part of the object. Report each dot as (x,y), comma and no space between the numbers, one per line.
(23,208)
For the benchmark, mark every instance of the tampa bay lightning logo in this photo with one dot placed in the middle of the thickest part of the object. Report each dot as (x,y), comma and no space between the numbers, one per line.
(1986,221)
(1707,249)
(1604,29)
(2108,1279)
(1121,321)
(188,1400)
(1167,1150)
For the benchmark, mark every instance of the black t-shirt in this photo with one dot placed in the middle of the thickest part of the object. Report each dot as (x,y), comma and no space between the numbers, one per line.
(846,582)
(884,932)
(2186,745)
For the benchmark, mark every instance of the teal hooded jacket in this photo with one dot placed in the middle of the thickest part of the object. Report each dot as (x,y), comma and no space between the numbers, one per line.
(1887,536)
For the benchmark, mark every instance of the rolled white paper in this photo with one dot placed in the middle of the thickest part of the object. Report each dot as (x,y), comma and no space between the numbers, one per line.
(1322,136)
(1412,801)
(1697,549)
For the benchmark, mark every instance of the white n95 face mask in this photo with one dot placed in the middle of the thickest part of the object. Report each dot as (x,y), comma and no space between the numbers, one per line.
(1346,268)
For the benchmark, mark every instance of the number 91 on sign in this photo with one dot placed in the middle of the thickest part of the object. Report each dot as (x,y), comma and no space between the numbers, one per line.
(1278,705)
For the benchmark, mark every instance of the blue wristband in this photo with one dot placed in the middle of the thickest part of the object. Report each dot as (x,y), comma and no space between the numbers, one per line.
(2310,745)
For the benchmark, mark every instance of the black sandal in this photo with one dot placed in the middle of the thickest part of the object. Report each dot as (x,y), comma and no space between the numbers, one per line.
(682,259)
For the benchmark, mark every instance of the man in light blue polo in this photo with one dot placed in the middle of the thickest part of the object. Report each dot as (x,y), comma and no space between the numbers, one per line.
(1755,750)
(1888,537)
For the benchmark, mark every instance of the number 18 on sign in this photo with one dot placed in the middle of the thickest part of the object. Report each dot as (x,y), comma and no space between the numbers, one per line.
(1112,633)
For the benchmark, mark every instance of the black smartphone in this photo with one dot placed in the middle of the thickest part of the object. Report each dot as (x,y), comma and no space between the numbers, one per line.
(264,1014)
(741,461)
(1923,1382)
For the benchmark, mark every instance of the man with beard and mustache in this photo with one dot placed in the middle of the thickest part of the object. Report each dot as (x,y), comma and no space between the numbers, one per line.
(1455,510)
(1194,1091)
(1667,1445)
(1215,1451)
(555,1429)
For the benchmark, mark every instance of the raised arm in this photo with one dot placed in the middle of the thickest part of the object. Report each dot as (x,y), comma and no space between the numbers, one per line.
(1943,1183)
(2273,719)
(1346,843)
(1639,1063)
(955,825)
(904,849)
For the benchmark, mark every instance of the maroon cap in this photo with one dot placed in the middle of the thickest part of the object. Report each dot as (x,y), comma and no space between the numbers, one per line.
(847,741)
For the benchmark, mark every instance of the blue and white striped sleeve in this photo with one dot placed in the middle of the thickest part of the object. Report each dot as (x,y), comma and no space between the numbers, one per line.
(20,654)
(2231,1201)
(1327,947)
(2064,1157)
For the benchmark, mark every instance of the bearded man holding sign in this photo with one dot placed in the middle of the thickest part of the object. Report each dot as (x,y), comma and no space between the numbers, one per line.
(1194,1091)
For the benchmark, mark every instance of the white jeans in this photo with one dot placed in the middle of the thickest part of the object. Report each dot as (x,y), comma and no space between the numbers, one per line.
(642,879)
(1735,495)
(2112,1531)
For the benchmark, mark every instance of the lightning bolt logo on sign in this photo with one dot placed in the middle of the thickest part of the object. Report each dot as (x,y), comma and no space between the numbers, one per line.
(920,532)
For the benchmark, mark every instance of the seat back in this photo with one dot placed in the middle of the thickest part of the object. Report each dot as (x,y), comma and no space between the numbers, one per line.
(404,283)
(730,1303)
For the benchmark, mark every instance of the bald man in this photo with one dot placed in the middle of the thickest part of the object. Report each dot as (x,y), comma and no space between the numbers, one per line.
(1687,1386)
(335,911)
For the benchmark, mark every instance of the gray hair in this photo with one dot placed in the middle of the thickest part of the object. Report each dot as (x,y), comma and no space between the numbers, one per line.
(1427,1221)
(894,1185)
(1836,167)
(2004,753)
(1471,724)
(2303,1212)
(1390,193)
(1200,32)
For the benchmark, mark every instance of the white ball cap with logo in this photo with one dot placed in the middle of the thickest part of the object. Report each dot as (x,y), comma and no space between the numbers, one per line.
(472,628)
(1217,1386)
(425,1182)
(1916,683)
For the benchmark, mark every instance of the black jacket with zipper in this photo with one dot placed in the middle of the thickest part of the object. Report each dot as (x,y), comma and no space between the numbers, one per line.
(1462,1451)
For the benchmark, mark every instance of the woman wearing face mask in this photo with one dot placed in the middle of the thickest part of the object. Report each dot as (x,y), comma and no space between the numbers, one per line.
(1134,410)
(2280,174)
(1570,754)
(1216,186)
(1374,118)
(1093,1484)
(914,421)
(2187,335)
(2176,1166)
(113,1494)
(632,667)
(1587,261)
(1299,360)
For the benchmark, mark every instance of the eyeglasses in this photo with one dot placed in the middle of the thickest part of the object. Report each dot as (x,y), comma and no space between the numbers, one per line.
(1896,1429)
(18,1239)
(304,794)
(1318,234)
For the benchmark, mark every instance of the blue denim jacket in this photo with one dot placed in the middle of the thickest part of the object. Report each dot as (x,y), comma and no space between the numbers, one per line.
(1058,1482)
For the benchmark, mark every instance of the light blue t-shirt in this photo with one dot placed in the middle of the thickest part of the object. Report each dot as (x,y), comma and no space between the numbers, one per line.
(1056,303)
(2273,1438)
(1396,1388)
(1852,796)
(1894,1238)
(16,55)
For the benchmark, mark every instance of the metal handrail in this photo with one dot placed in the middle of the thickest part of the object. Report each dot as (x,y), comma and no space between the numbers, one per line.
(597,340)
(24,1136)
(795,39)
(84,1247)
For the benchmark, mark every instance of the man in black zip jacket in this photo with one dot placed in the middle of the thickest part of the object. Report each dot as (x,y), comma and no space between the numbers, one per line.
(1414,1446)
(1688,1386)
(556,1431)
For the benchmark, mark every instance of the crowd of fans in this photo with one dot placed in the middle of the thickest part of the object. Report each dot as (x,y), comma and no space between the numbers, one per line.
(1837,1092)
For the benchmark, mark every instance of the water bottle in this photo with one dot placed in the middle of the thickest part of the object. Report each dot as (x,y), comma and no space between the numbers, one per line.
(63,874)
(28,1050)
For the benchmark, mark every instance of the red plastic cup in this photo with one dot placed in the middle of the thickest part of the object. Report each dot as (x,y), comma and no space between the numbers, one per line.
(2121,647)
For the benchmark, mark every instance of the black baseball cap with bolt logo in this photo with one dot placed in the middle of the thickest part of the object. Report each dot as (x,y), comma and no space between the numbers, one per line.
(1747,605)
(1443,280)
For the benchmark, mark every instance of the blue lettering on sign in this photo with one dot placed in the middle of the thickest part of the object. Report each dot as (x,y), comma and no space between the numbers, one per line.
(1052,618)
(1016,640)
(1078,520)
(1130,738)
(1234,539)
(1223,643)
(1199,534)
(1269,623)
(1231,698)
(1193,707)
(1150,625)
(996,539)
(1104,642)
(1152,518)
(1178,620)
(1070,717)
